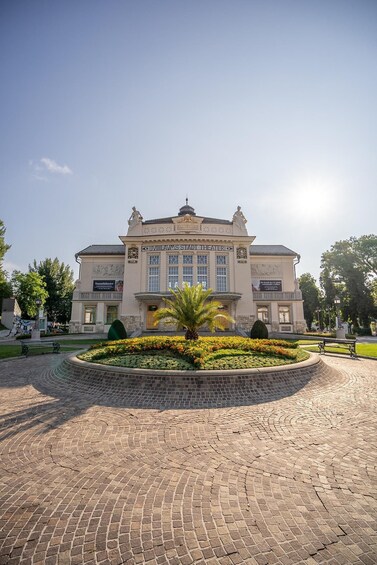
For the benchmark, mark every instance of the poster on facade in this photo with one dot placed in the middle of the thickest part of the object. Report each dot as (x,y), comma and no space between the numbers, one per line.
(104,286)
(266,285)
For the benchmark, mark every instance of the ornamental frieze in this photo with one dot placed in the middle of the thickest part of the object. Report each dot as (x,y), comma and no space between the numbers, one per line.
(108,269)
(266,269)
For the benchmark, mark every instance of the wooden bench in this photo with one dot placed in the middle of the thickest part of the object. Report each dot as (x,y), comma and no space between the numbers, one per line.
(349,344)
(36,344)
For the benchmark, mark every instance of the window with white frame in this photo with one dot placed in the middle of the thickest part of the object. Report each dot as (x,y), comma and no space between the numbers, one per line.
(202,259)
(188,259)
(172,277)
(111,314)
(202,276)
(154,273)
(90,314)
(284,314)
(173,259)
(221,273)
(188,275)
(263,314)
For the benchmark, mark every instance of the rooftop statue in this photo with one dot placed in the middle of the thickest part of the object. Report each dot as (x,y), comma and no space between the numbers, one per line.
(239,219)
(135,218)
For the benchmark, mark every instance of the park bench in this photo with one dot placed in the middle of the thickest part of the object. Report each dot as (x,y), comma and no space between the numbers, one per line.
(349,344)
(36,344)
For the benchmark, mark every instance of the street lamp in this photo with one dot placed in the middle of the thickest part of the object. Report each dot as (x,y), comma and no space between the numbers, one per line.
(340,332)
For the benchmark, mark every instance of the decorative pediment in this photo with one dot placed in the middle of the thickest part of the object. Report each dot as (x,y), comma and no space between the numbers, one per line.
(187,223)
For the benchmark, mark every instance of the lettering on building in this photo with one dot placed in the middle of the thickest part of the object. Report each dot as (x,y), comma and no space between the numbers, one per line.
(183,247)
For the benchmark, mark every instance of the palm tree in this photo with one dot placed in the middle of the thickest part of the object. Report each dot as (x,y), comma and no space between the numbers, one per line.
(190,309)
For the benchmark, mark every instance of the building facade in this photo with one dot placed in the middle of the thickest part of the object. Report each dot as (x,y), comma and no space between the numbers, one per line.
(130,281)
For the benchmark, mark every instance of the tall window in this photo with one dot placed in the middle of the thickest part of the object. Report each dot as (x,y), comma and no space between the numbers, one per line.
(188,275)
(263,314)
(221,273)
(203,276)
(154,273)
(90,314)
(202,270)
(172,277)
(111,314)
(284,314)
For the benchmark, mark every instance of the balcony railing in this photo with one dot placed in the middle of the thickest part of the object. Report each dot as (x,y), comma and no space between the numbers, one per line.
(97,296)
(296,295)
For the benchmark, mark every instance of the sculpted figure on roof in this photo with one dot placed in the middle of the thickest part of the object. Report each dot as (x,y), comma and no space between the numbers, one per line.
(135,218)
(239,219)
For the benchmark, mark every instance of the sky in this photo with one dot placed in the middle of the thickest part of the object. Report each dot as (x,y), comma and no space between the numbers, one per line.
(265,104)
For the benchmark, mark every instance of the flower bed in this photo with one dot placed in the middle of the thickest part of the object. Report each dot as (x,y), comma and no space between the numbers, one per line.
(163,352)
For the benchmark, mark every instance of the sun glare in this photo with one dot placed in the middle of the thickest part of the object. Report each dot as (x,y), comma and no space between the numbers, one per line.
(313,198)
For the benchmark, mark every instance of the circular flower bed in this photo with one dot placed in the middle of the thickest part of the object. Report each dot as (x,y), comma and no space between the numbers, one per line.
(206,353)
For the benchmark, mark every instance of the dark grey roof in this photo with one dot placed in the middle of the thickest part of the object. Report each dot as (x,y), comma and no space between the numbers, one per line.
(272,250)
(102,250)
(170,221)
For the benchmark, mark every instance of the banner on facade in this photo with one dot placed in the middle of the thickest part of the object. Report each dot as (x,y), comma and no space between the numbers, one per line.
(267,285)
(108,286)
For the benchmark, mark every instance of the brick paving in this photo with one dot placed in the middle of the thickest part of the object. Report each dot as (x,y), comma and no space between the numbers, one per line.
(271,471)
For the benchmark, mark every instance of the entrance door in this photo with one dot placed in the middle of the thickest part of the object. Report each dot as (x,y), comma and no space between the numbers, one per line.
(225,309)
(151,309)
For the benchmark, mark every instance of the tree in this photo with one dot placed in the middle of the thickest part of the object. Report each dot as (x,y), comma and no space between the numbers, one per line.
(311,297)
(28,287)
(190,308)
(349,269)
(5,286)
(59,285)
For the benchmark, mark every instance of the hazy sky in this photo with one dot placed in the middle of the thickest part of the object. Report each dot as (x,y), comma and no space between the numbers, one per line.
(105,105)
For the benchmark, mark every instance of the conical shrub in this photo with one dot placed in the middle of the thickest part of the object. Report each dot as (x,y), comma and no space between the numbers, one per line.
(259,330)
(117,331)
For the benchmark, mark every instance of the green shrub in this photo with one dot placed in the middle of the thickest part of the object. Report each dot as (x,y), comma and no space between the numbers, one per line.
(117,331)
(259,330)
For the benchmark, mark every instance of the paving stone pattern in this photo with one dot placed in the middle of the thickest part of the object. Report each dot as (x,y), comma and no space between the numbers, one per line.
(100,470)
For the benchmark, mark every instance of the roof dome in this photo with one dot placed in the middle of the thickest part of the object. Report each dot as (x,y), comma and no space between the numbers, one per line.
(186,209)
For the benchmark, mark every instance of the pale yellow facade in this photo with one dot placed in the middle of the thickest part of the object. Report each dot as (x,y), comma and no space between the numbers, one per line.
(129,281)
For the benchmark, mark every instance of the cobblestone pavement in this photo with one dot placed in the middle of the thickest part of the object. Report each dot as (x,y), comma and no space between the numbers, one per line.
(86,478)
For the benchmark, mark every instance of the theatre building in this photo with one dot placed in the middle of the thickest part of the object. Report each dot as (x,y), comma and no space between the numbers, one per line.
(129,281)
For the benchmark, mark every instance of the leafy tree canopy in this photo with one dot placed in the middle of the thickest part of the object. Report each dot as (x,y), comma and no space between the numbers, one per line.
(28,287)
(190,308)
(349,269)
(310,295)
(58,278)
(5,286)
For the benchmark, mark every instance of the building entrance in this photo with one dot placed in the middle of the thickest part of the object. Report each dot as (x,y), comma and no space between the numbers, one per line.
(225,309)
(151,309)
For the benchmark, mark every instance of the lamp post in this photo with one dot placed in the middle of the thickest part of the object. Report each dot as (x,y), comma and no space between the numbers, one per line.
(340,332)
(36,334)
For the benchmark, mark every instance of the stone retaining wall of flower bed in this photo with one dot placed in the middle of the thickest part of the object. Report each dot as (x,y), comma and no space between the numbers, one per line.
(189,389)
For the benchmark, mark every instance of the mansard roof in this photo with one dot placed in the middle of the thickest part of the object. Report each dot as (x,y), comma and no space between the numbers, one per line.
(102,250)
(170,220)
(272,250)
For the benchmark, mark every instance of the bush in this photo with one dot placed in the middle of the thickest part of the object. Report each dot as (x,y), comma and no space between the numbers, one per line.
(259,330)
(117,331)
(362,331)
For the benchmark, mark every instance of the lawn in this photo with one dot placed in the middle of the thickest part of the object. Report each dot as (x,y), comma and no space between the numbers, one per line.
(363,349)
(14,350)
(208,353)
